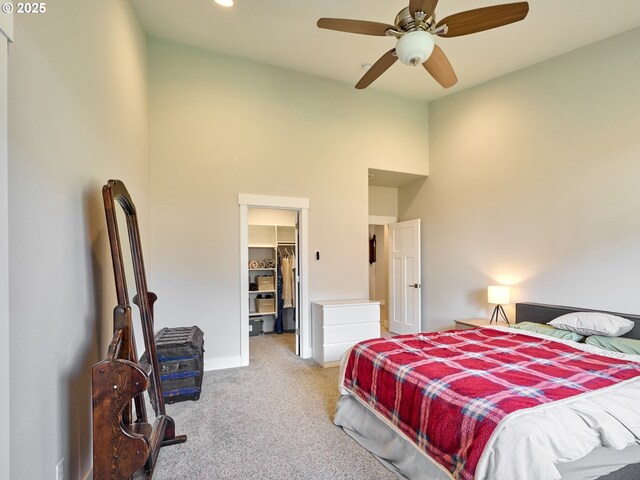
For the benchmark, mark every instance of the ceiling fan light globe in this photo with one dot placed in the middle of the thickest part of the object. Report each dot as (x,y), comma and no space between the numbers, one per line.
(414,48)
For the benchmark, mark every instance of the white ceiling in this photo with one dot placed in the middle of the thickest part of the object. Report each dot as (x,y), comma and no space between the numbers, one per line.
(284,33)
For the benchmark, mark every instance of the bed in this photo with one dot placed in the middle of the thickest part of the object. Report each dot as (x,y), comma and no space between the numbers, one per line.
(586,435)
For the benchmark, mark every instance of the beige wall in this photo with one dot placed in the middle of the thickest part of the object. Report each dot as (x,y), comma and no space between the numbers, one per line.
(534,182)
(6,29)
(77,116)
(222,126)
(383,201)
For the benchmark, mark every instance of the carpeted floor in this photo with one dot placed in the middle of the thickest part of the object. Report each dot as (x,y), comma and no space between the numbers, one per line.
(272,420)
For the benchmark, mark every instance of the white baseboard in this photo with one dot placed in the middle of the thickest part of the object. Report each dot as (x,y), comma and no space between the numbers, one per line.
(220,363)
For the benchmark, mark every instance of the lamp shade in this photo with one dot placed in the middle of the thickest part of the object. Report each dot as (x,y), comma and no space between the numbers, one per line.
(414,47)
(498,295)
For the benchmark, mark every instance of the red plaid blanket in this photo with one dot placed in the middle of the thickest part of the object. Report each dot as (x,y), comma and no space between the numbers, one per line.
(447,391)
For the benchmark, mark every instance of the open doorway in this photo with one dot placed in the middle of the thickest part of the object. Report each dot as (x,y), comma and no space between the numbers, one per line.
(274,231)
(379,271)
(273,272)
(395,276)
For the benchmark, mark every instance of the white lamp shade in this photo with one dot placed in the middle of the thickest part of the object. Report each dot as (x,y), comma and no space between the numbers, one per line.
(414,47)
(498,295)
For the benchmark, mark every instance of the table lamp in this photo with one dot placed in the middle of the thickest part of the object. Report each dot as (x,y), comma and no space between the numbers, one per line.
(498,296)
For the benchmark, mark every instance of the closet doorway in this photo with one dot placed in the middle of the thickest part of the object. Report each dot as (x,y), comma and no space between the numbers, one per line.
(272,272)
(274,264)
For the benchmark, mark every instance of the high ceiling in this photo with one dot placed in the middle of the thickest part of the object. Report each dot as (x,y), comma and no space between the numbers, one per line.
(284,33)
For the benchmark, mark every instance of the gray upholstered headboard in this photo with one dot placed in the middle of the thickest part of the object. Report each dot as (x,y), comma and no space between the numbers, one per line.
(542,313)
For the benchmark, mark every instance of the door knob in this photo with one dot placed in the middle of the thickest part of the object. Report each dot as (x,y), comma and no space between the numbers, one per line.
(415,285)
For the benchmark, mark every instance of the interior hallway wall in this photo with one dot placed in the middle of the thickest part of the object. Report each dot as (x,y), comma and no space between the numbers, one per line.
(222,126)
(78,116)
(534,183)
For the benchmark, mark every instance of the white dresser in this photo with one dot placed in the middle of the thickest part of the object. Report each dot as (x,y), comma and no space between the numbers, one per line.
(339,324)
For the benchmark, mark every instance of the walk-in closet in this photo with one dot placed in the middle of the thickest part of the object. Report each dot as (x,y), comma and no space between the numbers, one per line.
(273,271)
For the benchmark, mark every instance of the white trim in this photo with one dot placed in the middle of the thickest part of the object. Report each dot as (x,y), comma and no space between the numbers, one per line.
(221,363)
(244,285)
(292,203)
(268,201)
(381,220)
(305,307)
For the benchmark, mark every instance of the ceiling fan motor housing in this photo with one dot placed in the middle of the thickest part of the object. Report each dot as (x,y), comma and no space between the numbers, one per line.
(414,48)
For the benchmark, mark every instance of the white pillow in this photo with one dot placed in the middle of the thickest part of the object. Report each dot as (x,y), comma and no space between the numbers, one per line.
(593,323)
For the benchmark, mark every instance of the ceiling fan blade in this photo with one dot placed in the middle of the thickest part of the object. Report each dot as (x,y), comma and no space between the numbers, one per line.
(440,69)
(481,19)
(377,69)
(426,6)
(355,26)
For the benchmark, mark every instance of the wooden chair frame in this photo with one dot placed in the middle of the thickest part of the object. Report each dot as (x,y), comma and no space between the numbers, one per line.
(124,447)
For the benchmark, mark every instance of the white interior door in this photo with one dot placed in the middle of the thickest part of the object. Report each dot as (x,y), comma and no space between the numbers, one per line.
(404,277)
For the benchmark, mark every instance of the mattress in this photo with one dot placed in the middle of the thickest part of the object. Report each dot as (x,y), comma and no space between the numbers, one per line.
(585,437)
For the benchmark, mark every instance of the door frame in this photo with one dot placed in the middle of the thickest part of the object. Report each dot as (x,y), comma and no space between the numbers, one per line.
(301,205)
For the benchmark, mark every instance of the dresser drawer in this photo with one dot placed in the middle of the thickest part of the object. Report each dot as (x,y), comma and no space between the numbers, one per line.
(333,353)
(351,314)
(354,332)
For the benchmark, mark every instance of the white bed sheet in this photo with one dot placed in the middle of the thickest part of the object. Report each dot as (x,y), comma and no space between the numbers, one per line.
(528,444)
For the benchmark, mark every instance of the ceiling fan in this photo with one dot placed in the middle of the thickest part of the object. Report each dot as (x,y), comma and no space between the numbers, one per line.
(414,28)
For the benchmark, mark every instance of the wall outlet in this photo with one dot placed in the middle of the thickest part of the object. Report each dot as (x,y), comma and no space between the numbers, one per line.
(60,470)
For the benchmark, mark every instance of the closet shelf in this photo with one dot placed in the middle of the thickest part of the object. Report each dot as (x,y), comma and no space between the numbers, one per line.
(258,269)
(256,245)
(256,314)
(262,291)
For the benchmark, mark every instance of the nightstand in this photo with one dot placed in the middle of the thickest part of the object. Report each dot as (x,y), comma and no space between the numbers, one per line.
(474,323)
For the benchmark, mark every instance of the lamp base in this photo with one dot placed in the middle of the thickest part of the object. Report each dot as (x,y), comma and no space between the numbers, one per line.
(498,312)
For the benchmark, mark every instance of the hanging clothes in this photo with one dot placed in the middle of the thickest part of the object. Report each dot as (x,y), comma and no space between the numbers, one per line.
(279,325)
(292,266)
(287,291)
